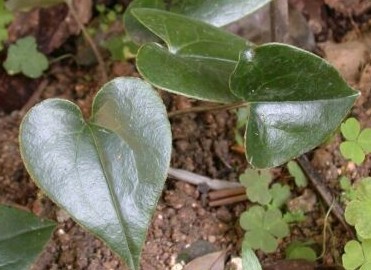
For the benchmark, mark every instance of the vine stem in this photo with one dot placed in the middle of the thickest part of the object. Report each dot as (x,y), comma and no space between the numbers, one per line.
(89,40)
(208,108)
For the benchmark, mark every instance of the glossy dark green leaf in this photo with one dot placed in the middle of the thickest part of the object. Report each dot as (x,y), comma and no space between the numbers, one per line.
(22,237)
(280,131)
(108,172)
(280,73)
(214,12)
(298,101)
(198,60)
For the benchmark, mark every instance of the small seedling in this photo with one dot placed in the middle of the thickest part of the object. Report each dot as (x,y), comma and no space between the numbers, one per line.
(23,57)
(357,255)
(300,250)
(358,143)
(297,173)
(358,211)
(263,228)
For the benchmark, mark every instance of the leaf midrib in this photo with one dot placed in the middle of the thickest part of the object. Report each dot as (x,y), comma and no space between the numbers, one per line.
(112,193)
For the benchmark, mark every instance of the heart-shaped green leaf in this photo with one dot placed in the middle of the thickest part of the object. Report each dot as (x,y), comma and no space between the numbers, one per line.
(199,58)
(299,100)
(22,237)
(215,12)
(108,172)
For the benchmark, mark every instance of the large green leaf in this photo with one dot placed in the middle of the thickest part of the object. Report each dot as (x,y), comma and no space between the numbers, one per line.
(107,172)
(298,101)
(214,12)
(22,237)
(199,58)
(277,72)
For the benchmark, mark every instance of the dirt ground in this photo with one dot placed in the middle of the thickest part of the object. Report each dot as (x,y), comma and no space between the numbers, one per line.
(202,143)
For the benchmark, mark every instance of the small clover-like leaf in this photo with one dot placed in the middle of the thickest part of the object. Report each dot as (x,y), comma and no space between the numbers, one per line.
(263,227)
(364,140)
(280,194)
(357,255)
(350,129)
(358,211)
(300,250)
(274,223)
(297,173)
(256,183)
(24,57)
(353,151)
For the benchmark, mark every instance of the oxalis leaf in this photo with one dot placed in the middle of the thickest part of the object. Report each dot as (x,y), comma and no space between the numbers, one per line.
(24,57)
(109,171)
(215,12)
(263,227)
(357,255)
(358,211)
(298,100)
(22,237)
(198,60)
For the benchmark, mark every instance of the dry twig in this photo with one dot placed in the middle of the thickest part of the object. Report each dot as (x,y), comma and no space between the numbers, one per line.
(321,188)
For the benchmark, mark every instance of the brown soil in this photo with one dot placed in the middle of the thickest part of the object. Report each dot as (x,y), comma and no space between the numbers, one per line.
(201,144)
